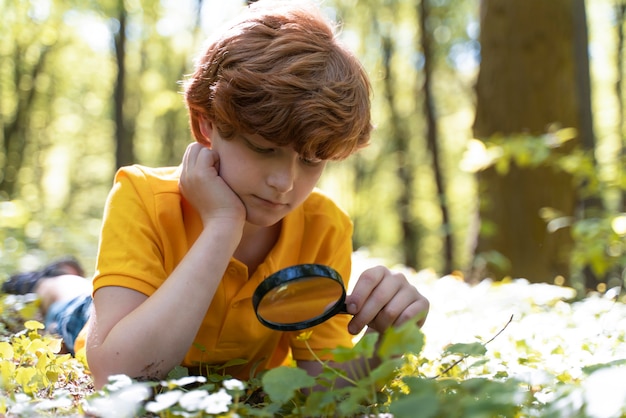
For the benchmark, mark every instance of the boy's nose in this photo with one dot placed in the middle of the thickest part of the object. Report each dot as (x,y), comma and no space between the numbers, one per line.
(282,176)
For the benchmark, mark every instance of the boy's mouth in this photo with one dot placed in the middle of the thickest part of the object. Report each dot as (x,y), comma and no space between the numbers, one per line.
(270,203)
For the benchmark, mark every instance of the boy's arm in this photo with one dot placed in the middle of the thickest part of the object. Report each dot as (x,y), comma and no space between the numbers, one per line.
(142,336)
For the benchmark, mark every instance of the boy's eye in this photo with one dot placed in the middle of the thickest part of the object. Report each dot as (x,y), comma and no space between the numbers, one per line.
(261,150)
(258,149)
(310,160)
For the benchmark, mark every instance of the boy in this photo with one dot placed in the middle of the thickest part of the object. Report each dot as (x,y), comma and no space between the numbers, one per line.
(182,249)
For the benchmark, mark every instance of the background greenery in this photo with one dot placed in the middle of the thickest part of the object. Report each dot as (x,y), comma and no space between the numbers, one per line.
(86,87)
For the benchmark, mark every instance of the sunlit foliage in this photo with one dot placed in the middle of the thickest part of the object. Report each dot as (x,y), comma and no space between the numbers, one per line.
(494,349)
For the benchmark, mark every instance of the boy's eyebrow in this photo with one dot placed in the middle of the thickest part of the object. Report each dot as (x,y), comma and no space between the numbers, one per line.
(247,138)
(257,140)
(260,140)
(245,135)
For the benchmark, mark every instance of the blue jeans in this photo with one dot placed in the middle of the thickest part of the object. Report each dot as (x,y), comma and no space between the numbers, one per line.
(67,318)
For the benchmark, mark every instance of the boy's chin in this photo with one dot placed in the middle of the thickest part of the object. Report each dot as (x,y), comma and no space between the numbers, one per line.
(263,222)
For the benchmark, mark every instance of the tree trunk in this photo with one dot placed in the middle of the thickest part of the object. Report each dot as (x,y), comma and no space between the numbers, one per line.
(405,166)
(15,131)
(620,18)
(432,134)
(124,149)
(528,81)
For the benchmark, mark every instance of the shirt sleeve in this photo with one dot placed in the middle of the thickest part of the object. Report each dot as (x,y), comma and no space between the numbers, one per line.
(130,248)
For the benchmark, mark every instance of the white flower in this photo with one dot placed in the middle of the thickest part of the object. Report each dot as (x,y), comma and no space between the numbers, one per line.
(47,404)
(233,384)
(217,403)
(194,400)
(120,404)
(163,401)
(118,381)
(183,381)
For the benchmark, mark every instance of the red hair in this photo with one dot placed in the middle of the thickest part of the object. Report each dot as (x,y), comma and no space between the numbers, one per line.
(281,73)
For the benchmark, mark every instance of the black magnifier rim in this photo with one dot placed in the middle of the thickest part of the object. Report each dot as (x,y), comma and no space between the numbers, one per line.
(293,274)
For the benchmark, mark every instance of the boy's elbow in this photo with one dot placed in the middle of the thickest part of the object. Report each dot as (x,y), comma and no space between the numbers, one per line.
(103,364)
(99,372)
(102,360)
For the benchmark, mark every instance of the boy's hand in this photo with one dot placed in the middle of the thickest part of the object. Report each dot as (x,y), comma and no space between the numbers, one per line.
(201,185)
(382,298)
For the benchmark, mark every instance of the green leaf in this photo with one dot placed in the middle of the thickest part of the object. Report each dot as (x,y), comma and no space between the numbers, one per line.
(234,362)
(385,372)
(471,349)
(6,350)
(34,325)
(479,363)
(352,404)
(420,402)
(407,338)
(178,372)
(320,403)
(282,383)
(24,376)
(329,376)
(418,406)
(364,348)
(592,368)
(501,375)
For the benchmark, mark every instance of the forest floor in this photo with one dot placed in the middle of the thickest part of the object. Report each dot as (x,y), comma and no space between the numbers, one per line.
(570,353)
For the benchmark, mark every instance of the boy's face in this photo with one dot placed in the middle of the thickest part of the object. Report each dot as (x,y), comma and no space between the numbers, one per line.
(270,180)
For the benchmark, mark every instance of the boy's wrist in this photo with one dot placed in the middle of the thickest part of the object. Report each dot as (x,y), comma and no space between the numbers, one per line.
(224,227)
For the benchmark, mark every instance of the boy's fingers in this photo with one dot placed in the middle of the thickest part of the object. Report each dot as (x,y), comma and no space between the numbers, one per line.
(198,157)
(190,156)
(405,306)
(370,297)
(365,285)
(394,312)
(382,299)
(207,157)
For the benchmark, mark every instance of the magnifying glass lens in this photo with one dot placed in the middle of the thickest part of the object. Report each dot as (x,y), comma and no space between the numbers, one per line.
(299,297)
(300,300)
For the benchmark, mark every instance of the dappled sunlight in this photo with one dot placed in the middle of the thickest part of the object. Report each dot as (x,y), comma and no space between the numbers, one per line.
(542,318)
(550,340)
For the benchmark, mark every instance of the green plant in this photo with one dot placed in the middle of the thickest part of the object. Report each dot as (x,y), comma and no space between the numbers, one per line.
(553,357)
(598,234)
(34,377)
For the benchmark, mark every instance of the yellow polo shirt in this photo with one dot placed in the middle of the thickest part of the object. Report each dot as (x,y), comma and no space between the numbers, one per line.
(148,228)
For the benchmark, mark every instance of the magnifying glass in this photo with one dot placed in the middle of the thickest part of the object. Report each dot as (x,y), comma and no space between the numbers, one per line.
(299,297)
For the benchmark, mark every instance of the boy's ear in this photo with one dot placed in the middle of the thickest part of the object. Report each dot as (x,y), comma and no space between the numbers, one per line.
(206,129)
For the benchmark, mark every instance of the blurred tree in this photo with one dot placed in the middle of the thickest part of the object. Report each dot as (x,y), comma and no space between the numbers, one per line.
(152,49)
(531,80)
(410,50)
(620,20)
(399,144)
(26,41)
(427,44)
(124,126)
